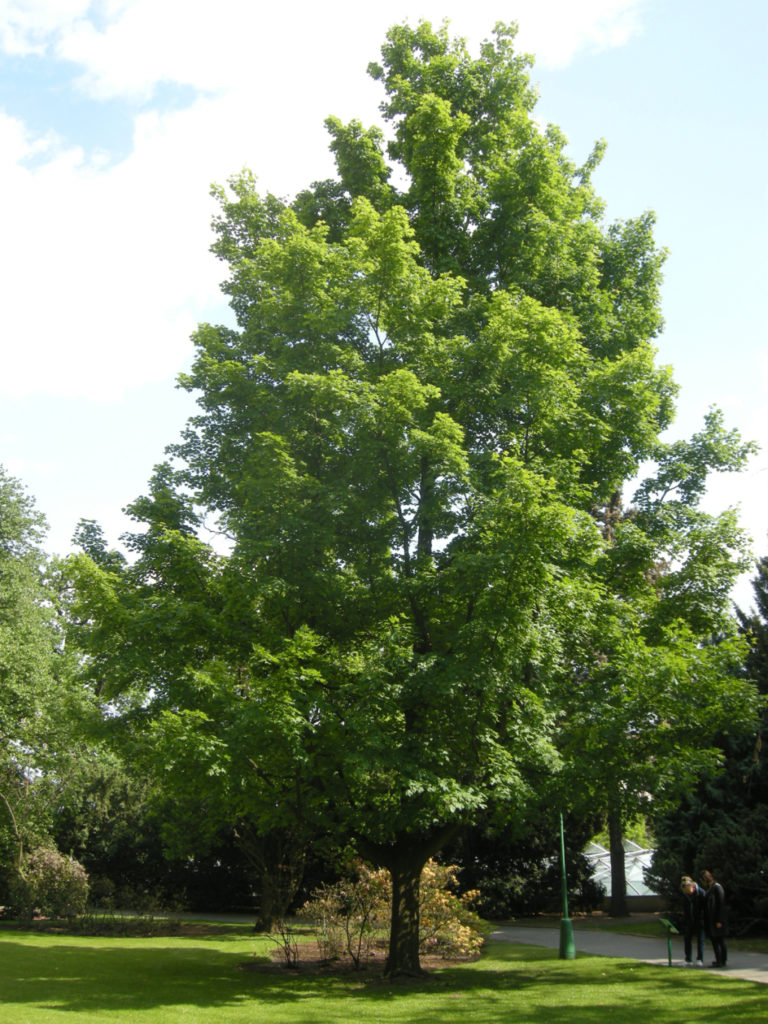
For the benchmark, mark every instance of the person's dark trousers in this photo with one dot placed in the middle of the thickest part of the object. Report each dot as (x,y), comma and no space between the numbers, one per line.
(720,950)
(688,943)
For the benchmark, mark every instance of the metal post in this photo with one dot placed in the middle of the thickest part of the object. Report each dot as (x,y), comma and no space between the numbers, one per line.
(567,945)
(671,930)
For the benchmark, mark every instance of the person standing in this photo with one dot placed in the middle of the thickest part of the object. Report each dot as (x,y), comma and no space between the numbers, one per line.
(694,912)
(717,917)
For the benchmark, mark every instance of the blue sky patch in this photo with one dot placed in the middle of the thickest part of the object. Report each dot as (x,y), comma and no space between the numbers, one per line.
(44,95)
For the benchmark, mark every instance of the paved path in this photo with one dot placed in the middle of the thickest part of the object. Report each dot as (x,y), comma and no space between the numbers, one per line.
(749,966)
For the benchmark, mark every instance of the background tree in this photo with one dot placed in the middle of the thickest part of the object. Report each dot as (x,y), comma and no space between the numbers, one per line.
(38,698)
(112,822)
(427,393)
(184,835)
(27,657)
(754,626)
(659,678)
(515,865)
(722,823)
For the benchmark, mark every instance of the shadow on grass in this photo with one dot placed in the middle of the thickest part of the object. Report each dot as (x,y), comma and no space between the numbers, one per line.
(527,983)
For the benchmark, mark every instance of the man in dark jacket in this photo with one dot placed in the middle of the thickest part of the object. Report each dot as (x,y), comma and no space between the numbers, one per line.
(694,912)
(717,918)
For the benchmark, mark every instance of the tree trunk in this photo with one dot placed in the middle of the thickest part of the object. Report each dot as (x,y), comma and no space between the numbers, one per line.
(618,872)
(405,859)
(268,912)
(403,955)
(276,859)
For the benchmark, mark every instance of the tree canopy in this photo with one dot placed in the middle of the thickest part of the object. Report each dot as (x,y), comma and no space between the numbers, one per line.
(432,393)
(36,695)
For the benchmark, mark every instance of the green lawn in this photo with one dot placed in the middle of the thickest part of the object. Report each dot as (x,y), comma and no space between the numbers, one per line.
(55,978)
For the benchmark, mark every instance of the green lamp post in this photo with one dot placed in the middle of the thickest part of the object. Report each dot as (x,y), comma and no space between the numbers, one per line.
(567,945)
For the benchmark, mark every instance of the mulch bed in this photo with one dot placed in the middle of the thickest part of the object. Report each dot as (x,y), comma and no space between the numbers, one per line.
(311,963)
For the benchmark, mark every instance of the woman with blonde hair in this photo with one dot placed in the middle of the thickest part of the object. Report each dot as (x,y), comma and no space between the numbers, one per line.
(694,910)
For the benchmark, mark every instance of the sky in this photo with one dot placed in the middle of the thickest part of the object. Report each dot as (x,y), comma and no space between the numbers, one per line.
(116,116)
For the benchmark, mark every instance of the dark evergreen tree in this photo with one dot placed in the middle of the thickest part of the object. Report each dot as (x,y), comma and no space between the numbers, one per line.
(519,873)
(723,824)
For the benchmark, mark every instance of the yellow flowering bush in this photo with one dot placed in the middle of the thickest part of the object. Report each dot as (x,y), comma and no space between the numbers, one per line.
(351,915)
(447,925)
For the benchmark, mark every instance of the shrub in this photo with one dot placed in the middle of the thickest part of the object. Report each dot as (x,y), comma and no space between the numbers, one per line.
(447,923)
(101,892)
(49,883)
(349,915)
(284,938)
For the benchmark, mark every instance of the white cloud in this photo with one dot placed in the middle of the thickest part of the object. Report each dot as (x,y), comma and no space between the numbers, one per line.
(133,44)
(26,26)
(97,296)
(106,267)
(557,33)
(107,270)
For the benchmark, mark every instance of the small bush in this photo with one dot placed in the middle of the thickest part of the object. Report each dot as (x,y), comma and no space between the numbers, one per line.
(448,925)
(284,938)
(351,915)
(348,914)
(50,884)
(102,893)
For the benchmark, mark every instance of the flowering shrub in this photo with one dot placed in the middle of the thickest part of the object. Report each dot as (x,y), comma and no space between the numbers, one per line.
(447,924)
(350,915)
(51,884)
